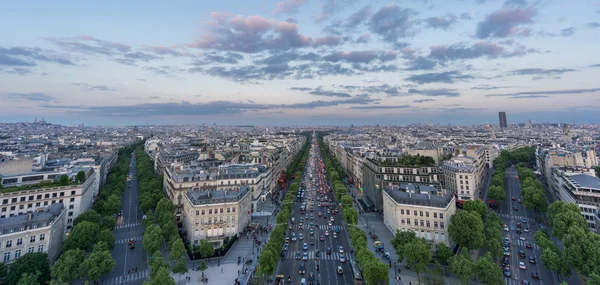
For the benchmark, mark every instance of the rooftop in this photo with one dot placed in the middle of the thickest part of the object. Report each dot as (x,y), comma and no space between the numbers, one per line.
(421,195)
(32,220)
(206,197)
(586,181)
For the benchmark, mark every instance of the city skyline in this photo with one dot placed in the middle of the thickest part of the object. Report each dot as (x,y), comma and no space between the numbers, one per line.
(299,62)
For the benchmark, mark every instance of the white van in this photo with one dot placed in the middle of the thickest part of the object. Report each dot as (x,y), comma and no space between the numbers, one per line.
(303,281)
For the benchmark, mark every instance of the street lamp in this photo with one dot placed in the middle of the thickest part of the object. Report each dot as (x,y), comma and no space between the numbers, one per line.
(395,271)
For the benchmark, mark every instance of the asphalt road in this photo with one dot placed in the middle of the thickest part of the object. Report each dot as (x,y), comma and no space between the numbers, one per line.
(129,226)
(328,263)
(511,218)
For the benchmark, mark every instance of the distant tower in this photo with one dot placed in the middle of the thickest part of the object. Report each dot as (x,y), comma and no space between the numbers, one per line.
(566,133)
(35,120)
(487,126)
(502,117)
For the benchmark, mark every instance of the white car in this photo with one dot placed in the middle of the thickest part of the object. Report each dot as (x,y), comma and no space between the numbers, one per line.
(522,266)
(505,228)
(522,238)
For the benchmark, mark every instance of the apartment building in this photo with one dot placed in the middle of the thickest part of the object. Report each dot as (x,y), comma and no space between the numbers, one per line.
(39,231)
(461,178)
(76,198)
(214,215)
(579,186)
(168,156)
(212,175)
(423,209)
(387,171)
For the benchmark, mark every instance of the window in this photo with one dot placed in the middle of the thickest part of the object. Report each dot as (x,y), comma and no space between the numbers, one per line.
(41,248)
(72,200)
(442,225)
(31,249)
(3,209)
(197,213)
(428,224)
(441,216)
(422,224)
(467,187)
(403,222)
(210,211)
(5,201)
(17,253)
(416,222)
(71,206)
(228,210)
(29,205)
(221,210)
(435,225)
(54,195)
(12,208)
(8,243)
(6,257)
(427,214)
(19,241)
(21,207)
(32,239)
(47,196)
(31,198)
(70,214)
(202,212)
(233,210)
(14,200)
(415,212)
(62,194)
(421,213)
(72,192)
(69,220)
(37,204)
(39,196)
(435,215)
(402,211)
(46,203)
(42,236)
(408,221)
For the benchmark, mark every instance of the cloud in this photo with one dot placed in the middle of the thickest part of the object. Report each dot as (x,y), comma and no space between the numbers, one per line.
(595,65)
(16,70)
(392,22)
(490,87)
(358,17)
(33,97)
(320,92)
(462,51)
(505,22)
(541,71)
(435,92)
(363,39)
(515,3)
(168,71)
(442,23)
(423,100)
(380,107)
(466,16)
(529,94)
(208,108)
(448,77)
(382,89)
(593,25)
(331,7)
(95,87)
(288,6)
(133,57)
(24,56)
(567,32)
(361,56)
(255,34)
(305,89)
(90,45)
(167,51)
(220,58)
(421,63)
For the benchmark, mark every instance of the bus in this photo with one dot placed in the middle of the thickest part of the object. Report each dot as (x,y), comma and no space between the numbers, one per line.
(356,274)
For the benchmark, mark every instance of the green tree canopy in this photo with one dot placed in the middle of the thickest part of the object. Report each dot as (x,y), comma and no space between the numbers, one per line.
(69,267)
(29,263)
(466,229)
(206,249)
(30,278)
(476,206)
(100,261)
(418,255)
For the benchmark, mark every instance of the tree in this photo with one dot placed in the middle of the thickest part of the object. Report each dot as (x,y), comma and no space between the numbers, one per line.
(105,222)
(63,180)
(177,250)
(203,266)
(206,249)
(563,216)
(476,206)
(462,266)
(377,273)
(400,239)
(582,250)
(180,267)
(152,238)
(347,200)
(99,262)
(496,193)
(80,176)
(3,268)
(107,237)
(30,278)
(156,262)
(436,277)
(488,272)
(69,267)
(29,263)
(161,277)
(444,252)
(82,236)
(593,279)
(554,261)
(466,229)
(418,255)
(267,262)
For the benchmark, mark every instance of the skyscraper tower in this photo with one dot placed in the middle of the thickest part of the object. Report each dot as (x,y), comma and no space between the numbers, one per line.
(502,117)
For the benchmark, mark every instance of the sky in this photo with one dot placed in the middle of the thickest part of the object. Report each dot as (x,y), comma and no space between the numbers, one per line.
(299,62)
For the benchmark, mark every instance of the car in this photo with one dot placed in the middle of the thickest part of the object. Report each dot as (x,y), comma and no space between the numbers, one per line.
(305,246)
(521,253)
(507,273)
(305,256)
(535,275)
(311,216)
(302,269)
(506,253)
(340,270)
(328,250)
(506,261)
(300,226)
(520,201)
(341,249)
(334,235)
(514,199)
(525,282)
(320,214)
(519,225)
(302,219)
(303,281)
(342,258)
(312,241)
(331,219)
(326,233)
(322,238)
(515,208)
(330,224)
(518,231)
(506,240)
(524,221)
(505,228)
(286,246)
(298,255)
(528,244)
(307,216)
(521,237)
(293,236)
(300,236)
(532,260)
(526,229)
(311,232)
(506,248)
(522,265)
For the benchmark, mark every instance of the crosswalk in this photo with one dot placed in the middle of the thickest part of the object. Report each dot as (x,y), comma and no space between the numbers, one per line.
(522,243)
(507,216)
(123,226)
(127,240)
(323,256)
(321,227)
(140,275)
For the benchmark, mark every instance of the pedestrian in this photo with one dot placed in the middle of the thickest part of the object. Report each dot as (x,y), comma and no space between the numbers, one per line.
(221,269)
